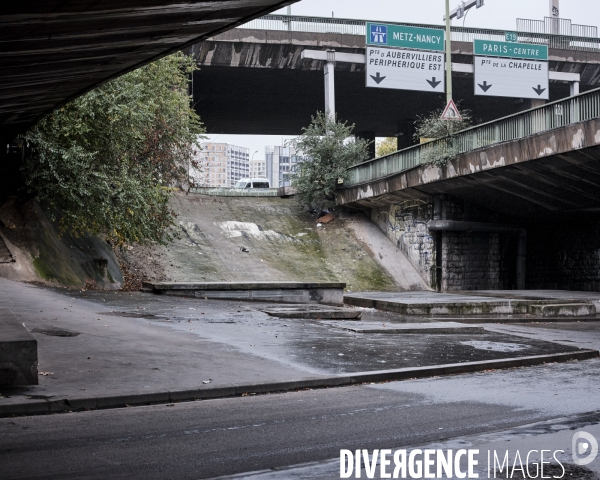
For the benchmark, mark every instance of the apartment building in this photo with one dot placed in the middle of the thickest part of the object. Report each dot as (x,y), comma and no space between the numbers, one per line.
(258,168)
(220,165)
(279,163)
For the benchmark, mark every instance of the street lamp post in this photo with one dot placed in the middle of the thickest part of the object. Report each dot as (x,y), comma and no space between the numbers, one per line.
(458,12)
(448,55)
(251,161)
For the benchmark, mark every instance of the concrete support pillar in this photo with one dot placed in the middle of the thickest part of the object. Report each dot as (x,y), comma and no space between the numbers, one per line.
(537,103)
(437,207)
(330,84)
(439,252)
(370,137)
(574,87)
(405,131)
(521,259)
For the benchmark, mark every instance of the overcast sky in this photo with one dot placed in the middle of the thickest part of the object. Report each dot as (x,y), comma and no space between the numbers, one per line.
(497,14)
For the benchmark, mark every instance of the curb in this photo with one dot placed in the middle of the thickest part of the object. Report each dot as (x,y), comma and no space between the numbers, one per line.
(165,397)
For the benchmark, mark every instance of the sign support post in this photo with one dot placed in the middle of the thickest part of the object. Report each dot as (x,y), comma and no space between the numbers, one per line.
(448,55)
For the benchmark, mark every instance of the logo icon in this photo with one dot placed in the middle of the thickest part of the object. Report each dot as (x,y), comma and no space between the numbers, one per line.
(379,34)
(584,448)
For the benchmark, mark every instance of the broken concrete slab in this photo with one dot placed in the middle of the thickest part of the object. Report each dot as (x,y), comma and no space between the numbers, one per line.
(314,312)
(328,293)
(433,328)
(18,352)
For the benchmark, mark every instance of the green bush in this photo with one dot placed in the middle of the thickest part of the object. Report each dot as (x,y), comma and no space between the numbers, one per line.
(328,149)
(104,163)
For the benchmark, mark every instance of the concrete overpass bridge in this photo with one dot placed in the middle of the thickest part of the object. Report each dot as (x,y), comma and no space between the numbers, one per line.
(254,81)
(517,205)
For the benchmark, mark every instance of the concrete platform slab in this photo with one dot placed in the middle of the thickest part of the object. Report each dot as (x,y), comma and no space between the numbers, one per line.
(564,310)
(432,328)
(327,293)
(315,313)
(18,352)
(559,296)
(468,303)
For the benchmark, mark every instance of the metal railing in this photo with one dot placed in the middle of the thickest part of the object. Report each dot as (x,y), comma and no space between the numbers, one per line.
(236,192)
(556,26)
(296,23)
(585,106)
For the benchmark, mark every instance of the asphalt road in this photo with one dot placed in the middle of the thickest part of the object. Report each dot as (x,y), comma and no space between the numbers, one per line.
(223,437)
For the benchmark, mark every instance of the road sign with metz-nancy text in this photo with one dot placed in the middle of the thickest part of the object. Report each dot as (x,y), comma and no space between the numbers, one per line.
(509,77)
(491,48)
(400,36)
(405,69)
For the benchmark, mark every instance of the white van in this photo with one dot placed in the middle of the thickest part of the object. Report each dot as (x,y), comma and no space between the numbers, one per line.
(253,183)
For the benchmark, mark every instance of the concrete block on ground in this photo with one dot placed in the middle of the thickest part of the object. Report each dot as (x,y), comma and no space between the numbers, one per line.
(327,293)
(564,310)
(18,352)
(314,312)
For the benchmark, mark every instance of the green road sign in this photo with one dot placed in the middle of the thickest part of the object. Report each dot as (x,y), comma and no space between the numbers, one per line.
(400,36)
(511,36)
(491,48)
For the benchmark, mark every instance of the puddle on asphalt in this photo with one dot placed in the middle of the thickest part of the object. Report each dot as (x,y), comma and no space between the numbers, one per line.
(496,346)
(315,347)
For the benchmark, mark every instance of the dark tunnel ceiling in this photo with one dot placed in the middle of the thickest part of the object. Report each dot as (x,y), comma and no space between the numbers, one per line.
(54,50)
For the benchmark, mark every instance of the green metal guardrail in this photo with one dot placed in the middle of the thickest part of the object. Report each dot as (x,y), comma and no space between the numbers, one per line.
(578,108)
(237,192)
(295,23)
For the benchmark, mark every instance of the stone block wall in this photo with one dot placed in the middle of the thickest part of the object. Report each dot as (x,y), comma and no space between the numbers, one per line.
(405,224)
(472,261)
(469,261)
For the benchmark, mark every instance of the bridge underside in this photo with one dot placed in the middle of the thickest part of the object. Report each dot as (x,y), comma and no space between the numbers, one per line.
(264,101)
(545,187)
(255,82)
(548,173)
(559,184)
(55,50)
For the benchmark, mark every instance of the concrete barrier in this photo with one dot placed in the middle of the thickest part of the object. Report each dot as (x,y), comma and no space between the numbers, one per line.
(564,310)
(18,352)
(328,293)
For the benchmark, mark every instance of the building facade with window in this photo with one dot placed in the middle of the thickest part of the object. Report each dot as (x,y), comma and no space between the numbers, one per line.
(258,168)
(220,165)
(279,163)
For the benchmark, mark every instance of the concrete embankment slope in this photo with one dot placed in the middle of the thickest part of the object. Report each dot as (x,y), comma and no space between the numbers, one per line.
(271,239)
(32,250)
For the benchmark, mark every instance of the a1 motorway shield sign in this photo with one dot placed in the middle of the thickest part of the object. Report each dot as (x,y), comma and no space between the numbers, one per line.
(504,77)
(405,69)
(401,36)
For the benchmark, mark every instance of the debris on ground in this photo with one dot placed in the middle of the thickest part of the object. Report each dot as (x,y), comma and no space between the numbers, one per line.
(325,219)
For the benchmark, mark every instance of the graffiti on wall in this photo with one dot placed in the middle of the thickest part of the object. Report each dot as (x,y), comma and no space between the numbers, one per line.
(407,228)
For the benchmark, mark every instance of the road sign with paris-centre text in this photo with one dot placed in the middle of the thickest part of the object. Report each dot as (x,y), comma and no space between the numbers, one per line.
(401,36)
(405,69)
(492,48)
(506,77)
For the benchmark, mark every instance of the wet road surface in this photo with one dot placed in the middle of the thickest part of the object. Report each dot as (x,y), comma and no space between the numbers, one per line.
(223,437)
